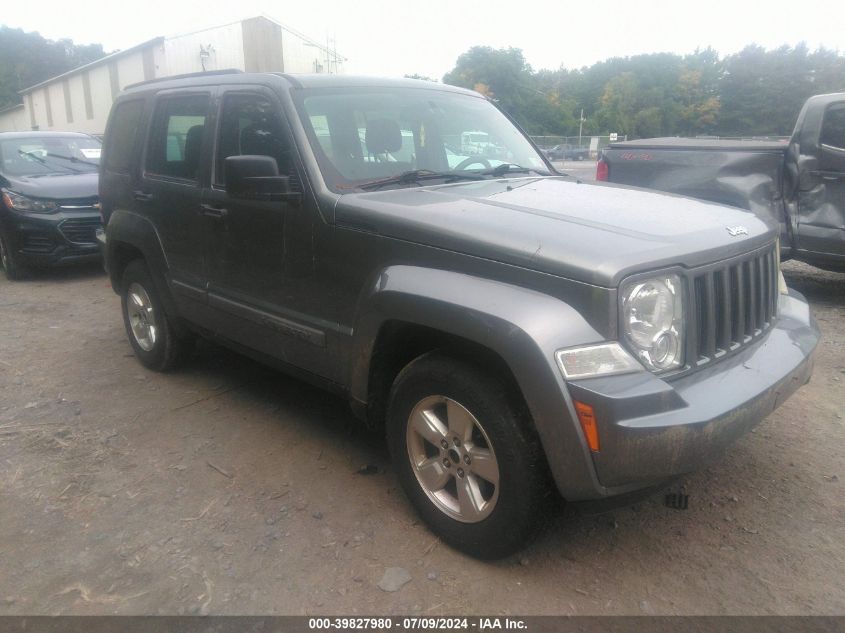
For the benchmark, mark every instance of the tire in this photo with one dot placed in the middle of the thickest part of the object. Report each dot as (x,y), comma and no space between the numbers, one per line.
(486,494)
(9,261)
(148,327)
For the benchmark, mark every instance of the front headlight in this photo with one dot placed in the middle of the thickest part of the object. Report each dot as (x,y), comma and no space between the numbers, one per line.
(28,205)
(653,321)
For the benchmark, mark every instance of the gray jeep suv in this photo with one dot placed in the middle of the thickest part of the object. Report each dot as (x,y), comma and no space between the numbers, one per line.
(512,328)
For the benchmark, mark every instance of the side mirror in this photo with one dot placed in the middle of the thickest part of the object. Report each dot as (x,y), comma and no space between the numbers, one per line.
(254,177)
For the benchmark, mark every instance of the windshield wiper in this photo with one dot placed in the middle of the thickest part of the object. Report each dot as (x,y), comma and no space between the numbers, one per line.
(32,155)
(418,175)
(72,159)
(40,159)
(511,168)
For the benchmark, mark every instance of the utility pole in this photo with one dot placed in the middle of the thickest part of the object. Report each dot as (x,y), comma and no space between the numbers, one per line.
(328,55)
(580,126)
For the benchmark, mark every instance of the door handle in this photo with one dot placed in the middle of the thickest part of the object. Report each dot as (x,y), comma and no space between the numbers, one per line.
(142,196)
(213,212)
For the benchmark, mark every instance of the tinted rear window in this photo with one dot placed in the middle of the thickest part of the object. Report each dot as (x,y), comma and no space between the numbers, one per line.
(176,136)
(120,144)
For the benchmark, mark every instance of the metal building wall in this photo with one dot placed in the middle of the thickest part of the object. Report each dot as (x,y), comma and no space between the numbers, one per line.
(14,119)
(223,45)
(80,102)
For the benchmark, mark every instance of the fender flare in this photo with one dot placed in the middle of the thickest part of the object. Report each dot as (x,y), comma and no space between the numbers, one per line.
(523,326)
(126,227)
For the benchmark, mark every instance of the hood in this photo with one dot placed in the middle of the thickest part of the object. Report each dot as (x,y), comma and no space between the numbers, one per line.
(55,187)
(597,233)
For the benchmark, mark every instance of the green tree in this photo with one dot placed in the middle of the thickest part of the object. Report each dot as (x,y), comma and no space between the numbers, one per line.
(753,92)
(620,103)
(28,58)
(505,76)
(762,91)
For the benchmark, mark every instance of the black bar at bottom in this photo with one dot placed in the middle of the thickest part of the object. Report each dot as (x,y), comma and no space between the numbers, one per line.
(525,624)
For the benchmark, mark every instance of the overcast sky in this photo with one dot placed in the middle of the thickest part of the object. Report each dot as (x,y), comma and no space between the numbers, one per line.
(396,37)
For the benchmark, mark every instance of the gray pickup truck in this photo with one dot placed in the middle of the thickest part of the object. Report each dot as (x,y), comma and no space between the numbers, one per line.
(799,183)
(512,329)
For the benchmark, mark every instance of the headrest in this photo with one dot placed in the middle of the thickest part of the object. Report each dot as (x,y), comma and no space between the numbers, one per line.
(383,135)
(193,144)
(257,140)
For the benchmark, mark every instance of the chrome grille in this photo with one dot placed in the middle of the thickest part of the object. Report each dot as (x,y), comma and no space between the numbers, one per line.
(78,204)
(734,303)
(80,230)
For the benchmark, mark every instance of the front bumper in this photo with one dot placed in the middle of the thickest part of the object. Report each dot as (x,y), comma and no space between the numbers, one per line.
(41,240)
(651,429)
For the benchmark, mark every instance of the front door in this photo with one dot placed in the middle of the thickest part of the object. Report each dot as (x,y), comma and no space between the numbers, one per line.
(256,246)
(821,208)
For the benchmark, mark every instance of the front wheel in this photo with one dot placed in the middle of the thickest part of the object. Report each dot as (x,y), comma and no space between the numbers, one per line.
(9,260)
(155,341)
(467,456)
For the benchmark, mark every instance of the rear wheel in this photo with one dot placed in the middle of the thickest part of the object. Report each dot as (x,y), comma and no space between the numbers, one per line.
(9,260)
(150,330)
(466,456)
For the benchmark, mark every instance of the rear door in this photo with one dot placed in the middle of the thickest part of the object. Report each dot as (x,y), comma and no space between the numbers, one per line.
(821,200)
(176,165)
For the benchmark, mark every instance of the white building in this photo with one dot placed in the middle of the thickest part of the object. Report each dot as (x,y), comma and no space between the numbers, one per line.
(14,119)
(80,99)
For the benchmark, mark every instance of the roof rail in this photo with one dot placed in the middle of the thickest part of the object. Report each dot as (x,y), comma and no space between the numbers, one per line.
(206,73)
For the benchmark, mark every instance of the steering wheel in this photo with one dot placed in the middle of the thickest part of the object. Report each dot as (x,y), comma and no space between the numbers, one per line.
(472,160)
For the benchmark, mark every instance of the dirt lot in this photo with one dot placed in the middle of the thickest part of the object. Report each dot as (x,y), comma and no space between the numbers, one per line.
(228,488)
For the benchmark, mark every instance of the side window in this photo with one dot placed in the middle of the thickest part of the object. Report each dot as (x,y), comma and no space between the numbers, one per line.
(176,136)
(250,125)
(121,141)
(833,127)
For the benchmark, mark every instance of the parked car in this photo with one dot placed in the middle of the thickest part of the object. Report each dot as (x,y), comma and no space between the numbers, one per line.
(510,328)
(568,152)
(49,210)
(800,184)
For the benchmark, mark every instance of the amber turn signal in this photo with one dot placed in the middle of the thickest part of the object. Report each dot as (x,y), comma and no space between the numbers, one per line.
(587,418)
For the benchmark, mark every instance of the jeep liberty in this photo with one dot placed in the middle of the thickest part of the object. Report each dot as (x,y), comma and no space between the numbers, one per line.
(513,330)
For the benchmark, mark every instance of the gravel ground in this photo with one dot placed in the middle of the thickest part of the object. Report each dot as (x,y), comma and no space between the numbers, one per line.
(227,488)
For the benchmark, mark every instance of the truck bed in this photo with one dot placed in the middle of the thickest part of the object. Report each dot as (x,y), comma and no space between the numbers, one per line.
(703,144)
(744,174)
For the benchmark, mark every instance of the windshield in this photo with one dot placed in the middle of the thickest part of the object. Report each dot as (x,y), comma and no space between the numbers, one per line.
(361,135)
(49,155)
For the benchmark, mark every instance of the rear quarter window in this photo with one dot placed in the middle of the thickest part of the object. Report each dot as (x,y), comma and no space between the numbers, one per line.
(120,144)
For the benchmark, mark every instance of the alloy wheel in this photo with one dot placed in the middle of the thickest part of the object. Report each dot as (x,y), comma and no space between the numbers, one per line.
(453,459)
(142,317)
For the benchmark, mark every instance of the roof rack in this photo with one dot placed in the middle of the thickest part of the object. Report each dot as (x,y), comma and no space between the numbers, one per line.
(206,73)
